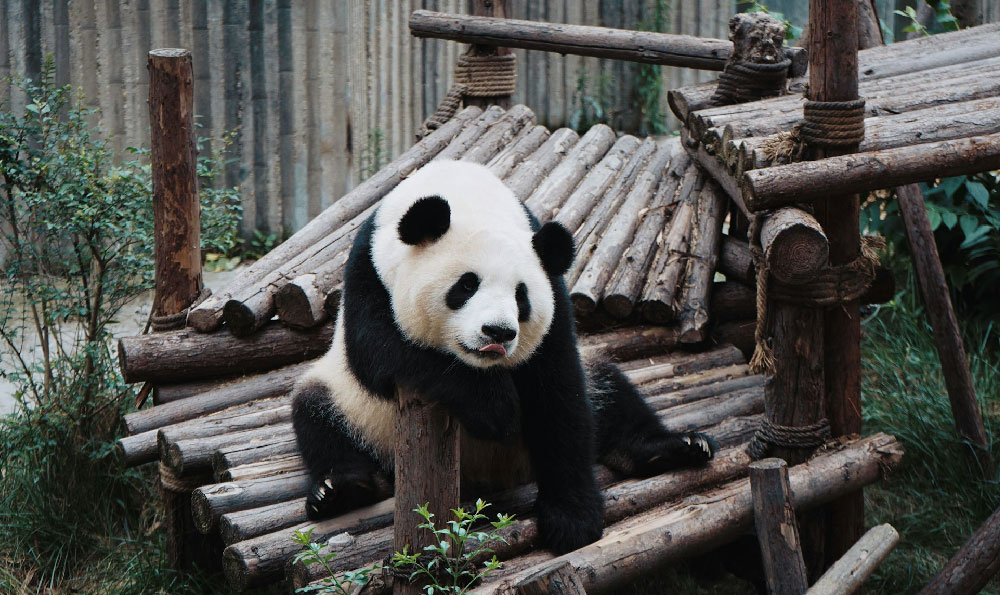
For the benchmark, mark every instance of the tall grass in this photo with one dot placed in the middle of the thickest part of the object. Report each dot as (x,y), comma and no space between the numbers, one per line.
(938,498)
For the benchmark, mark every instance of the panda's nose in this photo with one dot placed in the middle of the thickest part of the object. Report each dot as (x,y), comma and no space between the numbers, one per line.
(500,334)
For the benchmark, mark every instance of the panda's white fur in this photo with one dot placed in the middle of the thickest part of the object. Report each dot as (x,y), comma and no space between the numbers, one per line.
(497,248)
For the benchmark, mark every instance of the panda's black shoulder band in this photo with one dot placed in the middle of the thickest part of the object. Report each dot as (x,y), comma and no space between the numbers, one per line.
(426,220)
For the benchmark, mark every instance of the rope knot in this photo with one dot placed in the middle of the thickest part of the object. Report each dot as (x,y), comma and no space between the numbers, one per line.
(771,435)
(833,123)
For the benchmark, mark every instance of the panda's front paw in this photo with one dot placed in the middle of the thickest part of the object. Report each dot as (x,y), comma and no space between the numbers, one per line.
(671,451)
(565,527)
(321,500)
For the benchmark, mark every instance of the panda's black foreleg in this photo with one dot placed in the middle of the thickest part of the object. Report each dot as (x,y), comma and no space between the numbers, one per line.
(630,438)
(344,477)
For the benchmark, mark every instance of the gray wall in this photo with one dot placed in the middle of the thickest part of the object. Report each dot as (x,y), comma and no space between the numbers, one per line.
(306,84)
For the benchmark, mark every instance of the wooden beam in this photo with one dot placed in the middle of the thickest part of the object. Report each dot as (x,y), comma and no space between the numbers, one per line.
(777,531)
(427,471)
(556,580)
(973,566)
(494,9)
(809,181)
(850,572)
(947,336)
(601,42)
(833,76)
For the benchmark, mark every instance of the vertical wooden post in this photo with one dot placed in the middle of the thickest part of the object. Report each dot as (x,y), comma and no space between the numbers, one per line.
(427,451)
(833,76)
(777,530)
(496,9)
(947,337)
(176,210)
(177,237)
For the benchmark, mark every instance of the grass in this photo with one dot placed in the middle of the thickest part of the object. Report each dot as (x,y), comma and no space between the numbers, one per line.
(937,499)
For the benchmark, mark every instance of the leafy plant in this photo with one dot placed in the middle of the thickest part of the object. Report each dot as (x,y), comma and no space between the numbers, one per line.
(650,77)
(590,109)
(943,19)
(374,155)
(792,31)
(313,553)
(450,563)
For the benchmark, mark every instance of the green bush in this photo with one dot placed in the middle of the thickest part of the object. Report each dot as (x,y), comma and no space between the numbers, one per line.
(77,243)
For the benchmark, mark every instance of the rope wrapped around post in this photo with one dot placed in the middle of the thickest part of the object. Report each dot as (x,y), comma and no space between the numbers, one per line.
(172,322)
(493,75)
(771,435)
(833,123)
(750,81)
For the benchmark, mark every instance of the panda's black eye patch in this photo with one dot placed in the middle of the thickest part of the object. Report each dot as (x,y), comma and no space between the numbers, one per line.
(461,291)
(523,305)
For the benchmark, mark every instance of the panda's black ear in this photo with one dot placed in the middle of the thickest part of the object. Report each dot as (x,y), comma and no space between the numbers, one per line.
(554,245)
(426,221)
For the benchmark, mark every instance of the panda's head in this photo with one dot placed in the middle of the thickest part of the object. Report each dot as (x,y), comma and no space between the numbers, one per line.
(466,274)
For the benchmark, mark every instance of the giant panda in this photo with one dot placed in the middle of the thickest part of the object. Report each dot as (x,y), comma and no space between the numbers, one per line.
(454,290)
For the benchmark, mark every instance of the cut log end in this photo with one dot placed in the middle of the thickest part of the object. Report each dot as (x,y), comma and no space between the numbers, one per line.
(583,304)
(618,306)
(656,312)
(207,316)
(236,570)
(297,308)
(204,520)
(239,318)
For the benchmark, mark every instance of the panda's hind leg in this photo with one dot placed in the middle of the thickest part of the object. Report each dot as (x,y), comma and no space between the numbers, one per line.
(630,438)
(344,476)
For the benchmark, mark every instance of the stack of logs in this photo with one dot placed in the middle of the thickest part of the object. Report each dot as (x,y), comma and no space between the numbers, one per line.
(235,441)
(646,221)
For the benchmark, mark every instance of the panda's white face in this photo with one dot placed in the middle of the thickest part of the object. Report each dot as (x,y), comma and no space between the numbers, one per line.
(478,289)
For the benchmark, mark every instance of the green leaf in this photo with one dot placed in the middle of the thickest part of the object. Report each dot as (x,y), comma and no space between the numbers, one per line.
(978,193)
(934,217)
(949,219)
(968,224)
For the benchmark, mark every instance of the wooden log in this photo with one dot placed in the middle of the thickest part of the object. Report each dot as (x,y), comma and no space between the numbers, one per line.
(467,139)
(595,184)
(657,299)
(794,245)
(635,46)
(973,565)
(501,134)
(671,397)
(228,457)
(427,473)
(732,300)
(510,157)
(947,336)
(704,253)
(625,287)
(923,53)
(736,261)
(679,363)
(142,447)
(210,502)
(538,165)
(833,68)
(715,170)
(302,302)
(776,528)
(702,414)
(808,181)
(547,197)
(702,522)
(167,393)
(588,235)
(186,354)
(849,573)
(685,100)
(589,287)
(188,456)
(256,470)
(628,343)
(739,333)
(265,385)
(207,317)
(242,525)
(554,580)
(176,209)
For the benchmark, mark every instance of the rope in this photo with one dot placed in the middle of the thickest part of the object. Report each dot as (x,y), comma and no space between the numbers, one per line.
(833,123)
(771,435)
(741,82)
(181,485)
(171,322)
(475,76)
(762,361)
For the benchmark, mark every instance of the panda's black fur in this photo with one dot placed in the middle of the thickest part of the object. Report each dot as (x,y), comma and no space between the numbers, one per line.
(564,416)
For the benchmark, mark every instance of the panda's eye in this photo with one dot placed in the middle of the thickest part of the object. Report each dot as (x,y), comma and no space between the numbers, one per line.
(462,290)
(523,305)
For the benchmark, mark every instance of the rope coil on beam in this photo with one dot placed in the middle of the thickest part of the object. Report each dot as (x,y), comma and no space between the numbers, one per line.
(750,81)
(833,123)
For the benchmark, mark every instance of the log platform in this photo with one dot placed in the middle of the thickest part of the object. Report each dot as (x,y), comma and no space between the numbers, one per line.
(647,220)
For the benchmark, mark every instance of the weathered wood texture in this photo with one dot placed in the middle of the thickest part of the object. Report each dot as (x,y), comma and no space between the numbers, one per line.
(776,528)
(973,566)
(557,580)
(427,470)
(176,210)
(947,336)
(808,181)
(636,46)
(849,573)
(704,254)
(794,245)
(677,530)
(191,355)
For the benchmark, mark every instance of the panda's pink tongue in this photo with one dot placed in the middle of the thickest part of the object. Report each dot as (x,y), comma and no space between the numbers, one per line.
(494,348)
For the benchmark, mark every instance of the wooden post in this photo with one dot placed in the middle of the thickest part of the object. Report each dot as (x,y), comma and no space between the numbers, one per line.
(850,572)
(176,210)
(426,473)
(973,566)
(777,531)
(833,76)
(496,9)
(177,237)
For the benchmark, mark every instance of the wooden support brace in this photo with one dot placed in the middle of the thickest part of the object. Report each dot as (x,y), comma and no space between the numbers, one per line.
(427,472)
(849,572)
(555,580)
(777,530)
(973,566)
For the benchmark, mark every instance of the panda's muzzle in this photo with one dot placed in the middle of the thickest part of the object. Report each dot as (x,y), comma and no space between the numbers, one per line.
(499,337)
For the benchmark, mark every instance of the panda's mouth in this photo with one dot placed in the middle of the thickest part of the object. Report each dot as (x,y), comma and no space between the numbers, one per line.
(493,350)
